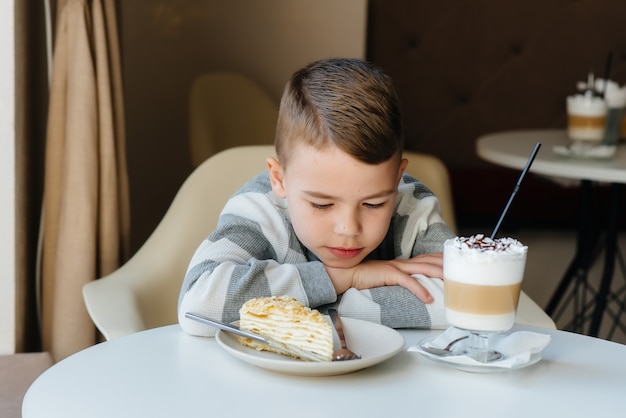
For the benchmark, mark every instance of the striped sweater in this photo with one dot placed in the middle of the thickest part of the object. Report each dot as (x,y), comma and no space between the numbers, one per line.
(255,252)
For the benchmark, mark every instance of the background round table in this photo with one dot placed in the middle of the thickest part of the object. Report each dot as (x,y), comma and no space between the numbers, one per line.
(574,295)
(512,148)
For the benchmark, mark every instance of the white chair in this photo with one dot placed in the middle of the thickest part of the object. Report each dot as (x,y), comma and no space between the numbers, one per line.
(227,110)
(143,293)
(431,171)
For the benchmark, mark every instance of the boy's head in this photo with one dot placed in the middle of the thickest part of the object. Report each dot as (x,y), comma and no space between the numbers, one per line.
(347,103)
(339,146)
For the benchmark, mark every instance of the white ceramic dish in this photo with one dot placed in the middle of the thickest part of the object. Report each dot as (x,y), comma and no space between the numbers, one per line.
(460,362)
(375,343)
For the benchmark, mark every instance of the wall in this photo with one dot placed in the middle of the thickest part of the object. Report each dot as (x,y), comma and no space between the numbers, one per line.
(23,106)
(7,179)
(467,68)
(166,43)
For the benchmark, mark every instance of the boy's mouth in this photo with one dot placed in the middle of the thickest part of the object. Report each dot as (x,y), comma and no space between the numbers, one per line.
(345,252)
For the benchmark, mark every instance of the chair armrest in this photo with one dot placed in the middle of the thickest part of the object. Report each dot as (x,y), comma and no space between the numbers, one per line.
(113,308)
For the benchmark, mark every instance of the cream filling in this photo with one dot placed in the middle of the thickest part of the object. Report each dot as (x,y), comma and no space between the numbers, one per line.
(308,340)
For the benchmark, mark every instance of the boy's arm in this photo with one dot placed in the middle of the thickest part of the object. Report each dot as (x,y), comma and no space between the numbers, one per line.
(396,307)
(397,272)
(252,253)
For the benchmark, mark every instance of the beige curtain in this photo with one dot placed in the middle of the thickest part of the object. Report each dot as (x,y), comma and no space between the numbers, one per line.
(86,209)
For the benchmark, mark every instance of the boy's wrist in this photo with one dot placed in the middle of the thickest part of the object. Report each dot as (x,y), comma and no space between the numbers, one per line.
(341,278)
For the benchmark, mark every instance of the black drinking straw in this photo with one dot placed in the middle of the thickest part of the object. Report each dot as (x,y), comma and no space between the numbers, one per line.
(607,73)
(517,185)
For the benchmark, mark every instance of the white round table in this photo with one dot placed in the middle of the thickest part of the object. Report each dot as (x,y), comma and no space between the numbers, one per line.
(164,372)
(512,149)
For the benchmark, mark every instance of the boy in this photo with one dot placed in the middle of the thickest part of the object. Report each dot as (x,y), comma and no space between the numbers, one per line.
(333,220)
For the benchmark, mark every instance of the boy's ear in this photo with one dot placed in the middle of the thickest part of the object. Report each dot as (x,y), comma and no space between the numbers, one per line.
(276,177)
(402,168)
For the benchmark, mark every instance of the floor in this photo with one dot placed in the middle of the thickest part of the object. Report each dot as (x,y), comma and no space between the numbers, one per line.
(17,372)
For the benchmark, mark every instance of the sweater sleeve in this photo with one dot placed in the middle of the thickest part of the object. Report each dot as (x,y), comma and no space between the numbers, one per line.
(252,253)
(396,307)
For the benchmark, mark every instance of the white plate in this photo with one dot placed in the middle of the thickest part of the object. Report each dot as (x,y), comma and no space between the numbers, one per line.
(375,343)
(460,363)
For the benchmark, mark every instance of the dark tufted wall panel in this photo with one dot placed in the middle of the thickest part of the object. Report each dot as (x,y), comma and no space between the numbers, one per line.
(464,68)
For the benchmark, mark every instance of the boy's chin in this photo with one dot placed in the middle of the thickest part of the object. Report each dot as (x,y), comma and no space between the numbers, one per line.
(342,264)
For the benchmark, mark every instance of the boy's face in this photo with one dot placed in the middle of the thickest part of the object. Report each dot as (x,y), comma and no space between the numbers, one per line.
(340,207)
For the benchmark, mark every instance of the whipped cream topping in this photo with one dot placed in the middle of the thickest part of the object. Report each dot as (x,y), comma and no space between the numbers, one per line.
(482,243)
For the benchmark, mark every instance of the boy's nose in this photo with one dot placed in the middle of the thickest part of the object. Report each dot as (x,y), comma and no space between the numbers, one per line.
(348,224)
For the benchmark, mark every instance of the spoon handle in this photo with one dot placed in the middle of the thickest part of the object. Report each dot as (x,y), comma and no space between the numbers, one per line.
(226,327)
(337,322)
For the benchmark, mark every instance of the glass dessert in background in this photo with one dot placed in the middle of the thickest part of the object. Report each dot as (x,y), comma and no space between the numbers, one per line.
(586,118)
(482,283)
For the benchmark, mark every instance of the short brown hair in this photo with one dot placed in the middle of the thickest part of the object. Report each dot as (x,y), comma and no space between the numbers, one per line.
(346,102)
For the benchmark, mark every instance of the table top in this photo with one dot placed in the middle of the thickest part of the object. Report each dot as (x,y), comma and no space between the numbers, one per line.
(512,149)
(164,372)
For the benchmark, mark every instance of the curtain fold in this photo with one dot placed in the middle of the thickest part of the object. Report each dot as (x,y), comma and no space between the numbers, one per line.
(86,200)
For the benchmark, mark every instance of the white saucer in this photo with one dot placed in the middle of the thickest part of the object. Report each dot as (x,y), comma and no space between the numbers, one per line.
(463,363)
(585,151)
(375,343)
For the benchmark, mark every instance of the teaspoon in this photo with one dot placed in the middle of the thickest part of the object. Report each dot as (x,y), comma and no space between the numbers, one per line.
(443,352)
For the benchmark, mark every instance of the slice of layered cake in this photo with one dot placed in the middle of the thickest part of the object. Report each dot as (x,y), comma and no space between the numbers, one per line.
(291,328)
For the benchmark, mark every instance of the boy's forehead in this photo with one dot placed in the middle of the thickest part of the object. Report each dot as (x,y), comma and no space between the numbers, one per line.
(308,151)
(334,165)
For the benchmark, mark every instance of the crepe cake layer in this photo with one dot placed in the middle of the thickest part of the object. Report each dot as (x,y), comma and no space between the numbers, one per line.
(291,328)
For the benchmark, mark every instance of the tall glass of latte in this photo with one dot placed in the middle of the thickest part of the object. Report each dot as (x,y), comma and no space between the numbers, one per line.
(482,284)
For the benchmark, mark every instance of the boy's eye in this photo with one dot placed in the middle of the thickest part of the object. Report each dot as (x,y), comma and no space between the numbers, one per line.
(374,205)
(320,206)
(329,205)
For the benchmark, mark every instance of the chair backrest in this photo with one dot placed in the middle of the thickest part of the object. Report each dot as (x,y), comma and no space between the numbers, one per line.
(431,171)
(228,110)
(143,293)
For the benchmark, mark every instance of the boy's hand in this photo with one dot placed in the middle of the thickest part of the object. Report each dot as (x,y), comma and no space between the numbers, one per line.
(377,273)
